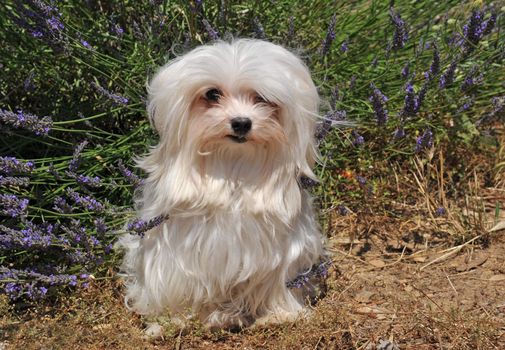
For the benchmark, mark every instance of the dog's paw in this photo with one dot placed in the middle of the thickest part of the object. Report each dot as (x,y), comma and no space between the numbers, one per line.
(158,326)
(218,320)
(281,317)
(153,331)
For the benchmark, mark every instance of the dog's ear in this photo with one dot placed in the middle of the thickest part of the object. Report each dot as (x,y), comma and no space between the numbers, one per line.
(166,99)
(304,111)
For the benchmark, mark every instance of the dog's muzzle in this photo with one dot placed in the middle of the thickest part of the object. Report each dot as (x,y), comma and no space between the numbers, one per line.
(240,126)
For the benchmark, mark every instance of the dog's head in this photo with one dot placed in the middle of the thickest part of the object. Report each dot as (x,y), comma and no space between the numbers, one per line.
(236,124)
(239,97)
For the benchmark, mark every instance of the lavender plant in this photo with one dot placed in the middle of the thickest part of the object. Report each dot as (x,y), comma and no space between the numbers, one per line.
(73,99)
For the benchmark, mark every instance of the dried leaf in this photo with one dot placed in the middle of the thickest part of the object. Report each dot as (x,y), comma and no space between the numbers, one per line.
(363,296)
(497,278)
(377,263)
(472,264)
(499,226)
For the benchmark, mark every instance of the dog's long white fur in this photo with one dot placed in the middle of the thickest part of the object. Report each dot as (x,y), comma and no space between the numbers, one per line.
(239,224)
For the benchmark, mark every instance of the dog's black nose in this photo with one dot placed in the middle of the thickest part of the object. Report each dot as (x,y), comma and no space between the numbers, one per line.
(241,125)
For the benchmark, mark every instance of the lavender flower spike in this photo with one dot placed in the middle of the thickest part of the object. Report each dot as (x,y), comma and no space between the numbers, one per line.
(130,176)
(118,99)
(213,34)
(378,100)
(9,181)
(11,205)
(400,35)
(330,36)
(10,165)
(410,106)
(85,202)
(435,64)
(76,158)
(21,120)
(488,25)
(424,141)
(447,78)
(405,71)
(140,226)
(358,139)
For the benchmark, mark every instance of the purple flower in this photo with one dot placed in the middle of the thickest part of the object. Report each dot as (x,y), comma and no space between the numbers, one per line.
(62,206)
(28,83)
(498,105)
(140,226)
(117,29)
(344,47)
(76,158)
(361,180)
(476,28)
(107,249)
(86,181)
(352,82)
(37,34)
(10,165)
(435,64)
(9,181)
(21,120)
(213,34)
(488,25)
(30,284)
(358,139)
(420,47)
(317,271)
(468,102)
(424,141)
(101,227)
(30,237)
(400,35)
(440,211)
(55,23)
(399,133)
(11,205)
(331,119)
(405,71)
(330,36)
(86,202)
(498,112)
(471,80)
(41,21)
(472,31)
(86,44)
(447,78)
(118,99)
(79,236)
(130,176)
(378,100)
(410,106)
(422,94)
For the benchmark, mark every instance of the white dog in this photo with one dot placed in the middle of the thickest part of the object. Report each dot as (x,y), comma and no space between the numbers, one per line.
(236,124)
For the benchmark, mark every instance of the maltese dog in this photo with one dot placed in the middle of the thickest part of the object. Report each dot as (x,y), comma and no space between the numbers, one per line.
(236,124)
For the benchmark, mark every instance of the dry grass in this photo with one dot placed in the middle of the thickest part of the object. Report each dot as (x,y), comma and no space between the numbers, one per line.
(400,274)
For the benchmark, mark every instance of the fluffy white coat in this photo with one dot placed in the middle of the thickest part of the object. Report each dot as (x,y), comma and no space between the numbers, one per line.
(239,225)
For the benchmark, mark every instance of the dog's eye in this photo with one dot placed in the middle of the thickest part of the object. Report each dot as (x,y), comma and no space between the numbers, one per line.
(259,99)
(213,95)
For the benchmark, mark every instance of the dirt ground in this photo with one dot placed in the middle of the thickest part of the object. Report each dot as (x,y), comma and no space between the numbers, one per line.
(393,286)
